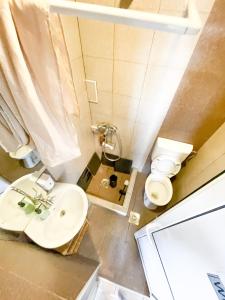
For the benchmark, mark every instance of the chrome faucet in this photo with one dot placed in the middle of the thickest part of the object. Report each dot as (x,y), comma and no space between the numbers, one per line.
(106,131)
(37,200)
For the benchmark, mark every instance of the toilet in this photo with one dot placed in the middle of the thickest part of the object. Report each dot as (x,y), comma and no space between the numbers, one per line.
(167,156)
(28,154)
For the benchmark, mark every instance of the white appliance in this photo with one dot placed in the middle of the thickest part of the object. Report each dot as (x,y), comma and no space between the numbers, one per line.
(183,250)
(167,156)
(28,154)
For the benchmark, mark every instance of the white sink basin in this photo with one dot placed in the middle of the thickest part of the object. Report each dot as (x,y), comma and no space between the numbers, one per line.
(67,213)
(13,217)
(66,218)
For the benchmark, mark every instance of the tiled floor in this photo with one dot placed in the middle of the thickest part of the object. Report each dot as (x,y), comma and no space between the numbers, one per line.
(96,187)
(110,238)
(108,290)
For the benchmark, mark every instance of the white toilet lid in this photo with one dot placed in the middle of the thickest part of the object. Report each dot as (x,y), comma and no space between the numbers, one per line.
(165,165)
(158,189)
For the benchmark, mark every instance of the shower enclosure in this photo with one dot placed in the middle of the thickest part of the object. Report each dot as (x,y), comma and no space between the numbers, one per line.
(126,70)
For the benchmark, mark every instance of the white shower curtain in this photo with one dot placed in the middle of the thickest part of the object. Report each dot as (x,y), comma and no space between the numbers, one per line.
(36,80)
(13,135)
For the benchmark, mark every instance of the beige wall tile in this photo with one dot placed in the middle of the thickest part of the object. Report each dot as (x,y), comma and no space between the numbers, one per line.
(171,49)
(101,70)
(125,129)
(141,138)
(160,83)
(104,105)
(132,44)
(159,89)
(98,118)
(97,38)
(168,59)
(98,147)
(125,107)
(72,36)
(174,5)
(84,107)
(128,78)
(126,147)
(144,115)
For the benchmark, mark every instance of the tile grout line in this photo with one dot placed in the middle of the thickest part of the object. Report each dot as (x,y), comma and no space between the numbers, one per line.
(115,59)
(113,67)
(148,60)
(85,73)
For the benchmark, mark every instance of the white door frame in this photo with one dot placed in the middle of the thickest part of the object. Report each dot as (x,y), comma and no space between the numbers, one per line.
(208,198)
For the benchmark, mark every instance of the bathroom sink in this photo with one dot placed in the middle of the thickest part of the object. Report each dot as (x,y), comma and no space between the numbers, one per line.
(12,217)
(66,216)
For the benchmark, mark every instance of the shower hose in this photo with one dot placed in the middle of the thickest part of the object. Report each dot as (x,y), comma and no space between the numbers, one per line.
(119,146)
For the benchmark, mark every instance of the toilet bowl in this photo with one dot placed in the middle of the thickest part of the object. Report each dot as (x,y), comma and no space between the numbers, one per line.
(158,187)
(158,191)
(27,154)
(167,157)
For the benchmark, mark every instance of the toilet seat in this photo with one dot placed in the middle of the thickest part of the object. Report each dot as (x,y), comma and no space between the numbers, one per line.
(158,189)
(165,165)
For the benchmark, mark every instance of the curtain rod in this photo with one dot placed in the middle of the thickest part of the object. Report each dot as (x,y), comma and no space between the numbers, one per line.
(183,25)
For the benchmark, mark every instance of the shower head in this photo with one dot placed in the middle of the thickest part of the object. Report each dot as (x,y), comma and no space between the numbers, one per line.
(125,3)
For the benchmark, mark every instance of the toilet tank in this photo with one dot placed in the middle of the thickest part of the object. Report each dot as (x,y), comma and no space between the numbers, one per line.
(176,150)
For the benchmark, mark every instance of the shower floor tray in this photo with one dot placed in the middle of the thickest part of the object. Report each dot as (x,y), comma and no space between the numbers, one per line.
(109,197)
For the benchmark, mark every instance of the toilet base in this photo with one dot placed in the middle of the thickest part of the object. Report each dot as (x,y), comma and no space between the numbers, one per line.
(148,203)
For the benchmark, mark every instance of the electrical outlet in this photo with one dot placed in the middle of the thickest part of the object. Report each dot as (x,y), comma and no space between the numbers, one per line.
(134,218)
